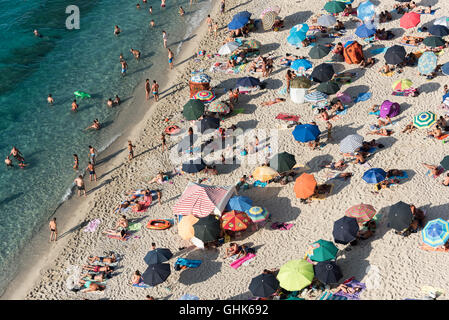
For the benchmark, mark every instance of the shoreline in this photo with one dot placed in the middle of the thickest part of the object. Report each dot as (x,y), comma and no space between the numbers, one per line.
(34,253)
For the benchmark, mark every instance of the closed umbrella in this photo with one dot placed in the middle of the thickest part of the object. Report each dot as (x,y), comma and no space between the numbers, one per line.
(295,275)
(156,274)
(351,143)
(345,230)
(208,124)
(364,32)
(235,221)
(374,175)
(193,109)
(424,120)
(334,7)
(264,173)
(434,42)
(427,62)
(305,186)
(300,82)
(410,20)
(301,64)
(248,82)
(326,20)
(436,233)
(257,214)
(282,162)
(306,132)
(185,227)
(158,255)
(323,72)
(400,216)
(327,272)
(268,20)
(228,48)
(362,212)
(395,54)
(239,203)
(322,250)
(445,163)
(193,166)
(264,285)
(319,51)
(315,96)
(330,87)
(207,229)
(439,31)
(442,21)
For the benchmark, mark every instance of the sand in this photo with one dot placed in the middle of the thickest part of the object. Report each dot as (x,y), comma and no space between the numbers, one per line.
(393,267)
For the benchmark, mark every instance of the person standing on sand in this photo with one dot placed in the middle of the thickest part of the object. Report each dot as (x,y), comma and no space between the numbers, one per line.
(215,27)
(171,56)
(80,185)
(155,90)
(164,38)
(222,6)
(91,169)
(147,89)
(92,154)
(74,105)
(50,99)
(130,150)
(209,23)
(75,166)
(53,230)
(164,142)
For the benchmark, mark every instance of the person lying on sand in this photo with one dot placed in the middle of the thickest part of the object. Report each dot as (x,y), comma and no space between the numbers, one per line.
(122,233)
(367,62)
(337,107)
(323,115)
(368,230)
(360,157)
(382,132)
(409,128)
(348,289)
(105,269)
(435,170)
(92,277)
(382,123)
(339,165)
(344,175)
(427,10)
(122,223)
(111,259)
(233,249)
(160,178)
(436,133)
(92,286)
(271,102)
(244,251)
(386,183)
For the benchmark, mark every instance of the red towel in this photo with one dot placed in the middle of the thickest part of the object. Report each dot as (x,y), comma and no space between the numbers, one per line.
(287,117)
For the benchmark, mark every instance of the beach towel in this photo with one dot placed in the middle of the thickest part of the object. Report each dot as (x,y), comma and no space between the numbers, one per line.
(237,263)
(404,176)
(92,225)
(432,12)
(327,295)
(188,263)
(353,284)
(404,93)
(345,111)
(134,226)
(363,96)
(388,74)
(378,50)
(281,226)
(142,285)
(440,171)
(376,113)
(324,195)
(444,136)
(261,184)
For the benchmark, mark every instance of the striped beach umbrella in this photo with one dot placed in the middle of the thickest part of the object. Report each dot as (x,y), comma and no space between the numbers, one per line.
(200,78)
(252,44)
(351,143)
(401,85)
(228,48)
(334,7)
(268,20)
(275,9)
(235,221)
(362,212)
(410,20)
(322,250)
(424,119)
(326,20)
(257,214)
(218,106)
(295,275)
(315,96)
(436,232)
(442,21)
(264,173)
(204,95)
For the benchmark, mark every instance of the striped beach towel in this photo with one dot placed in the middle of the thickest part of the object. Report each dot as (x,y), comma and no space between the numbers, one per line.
(327,295)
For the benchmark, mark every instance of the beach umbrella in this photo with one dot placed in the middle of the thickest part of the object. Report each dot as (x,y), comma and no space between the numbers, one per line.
(207,229)
(436,233)
(329,87)
(257,214)
(364,32)
(445,163)
(323,72)
(424,119)
(301,64)
(401,85)
(276,9)
(300,28)
(427,62)
(283,162)
(434,42)
(204,95)
(346,1)
(235,221)
(442,21)
(218,106)
(268,20)
(306,132)
(252,44)
(193,109)
(410,20)
(248,82)
(295,275)
(362,212)
(244,14)
(439,31)
(445,69)
(395,54)
(200,78)
(351,143)
(158,255)
(326,20)
(264,285)
(238,22)
(374,175)
(319,51)
(365,11)
(300,83)
(305,186)
(189,297)
(264,173)
(156,274)
(185,227)
(400,216)
(345,230)
(334,7)
(315,96)
(322,250)
(228,48)
(206,124)
(327,272)
(239,203)
(295,39)
(193,166)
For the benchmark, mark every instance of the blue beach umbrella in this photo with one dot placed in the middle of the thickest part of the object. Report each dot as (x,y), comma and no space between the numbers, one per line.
(374,175)
(239,203)
(315,96)
(436,233)
(306,132)
(365,11)
(445,69)
(242,14)
(301,64)
(427,62)
(239,20)
(439,31)
(300,28)
(364,32)
(295,39)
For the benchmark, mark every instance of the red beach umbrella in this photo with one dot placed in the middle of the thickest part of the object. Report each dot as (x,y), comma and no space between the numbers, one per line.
(410,20)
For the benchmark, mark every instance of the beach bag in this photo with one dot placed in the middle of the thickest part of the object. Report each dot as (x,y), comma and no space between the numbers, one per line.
(353,53)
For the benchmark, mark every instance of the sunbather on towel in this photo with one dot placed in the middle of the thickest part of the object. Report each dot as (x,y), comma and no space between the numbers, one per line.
(434,170)
(360,157)
(409,128)
(105,269)
(111,259)
(92,286)
(348,289)
(93,277)
(271,102)
(436,133)
(122,233)
(386,69)
(427,10)
(244,251)
(387,183)
(382,132)
(233,249)
(412,40)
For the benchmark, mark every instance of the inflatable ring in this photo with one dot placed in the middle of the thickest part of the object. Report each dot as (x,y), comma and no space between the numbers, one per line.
(172,130)
(158,224)
(81,94)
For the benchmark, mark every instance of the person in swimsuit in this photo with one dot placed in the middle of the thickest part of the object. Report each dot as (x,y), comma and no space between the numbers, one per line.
(16,154)
(110,259)
(147,89)
(95,125)
(124,67)
(233,249)
(74,105)
(8,162)
(92,154)
(105,269)
(151,10)
(130,150)
(152,23)
(50,99)
(163,142)
(136,53)
(53,230)
(209,23)
(222,6)
(110,103)
(181,11)
(170,58)
(116,100)
(162,3)
(138,6)
(80,185)
(91,169)
(137,278)
(75,165)
(122,223)
(117,30)
(164,38)
(155,90)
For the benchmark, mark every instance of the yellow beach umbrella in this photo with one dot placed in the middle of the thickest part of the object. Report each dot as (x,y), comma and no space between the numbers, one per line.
(264,173)
(401,85)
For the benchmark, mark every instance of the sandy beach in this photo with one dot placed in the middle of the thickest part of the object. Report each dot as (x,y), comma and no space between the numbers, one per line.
(393,267)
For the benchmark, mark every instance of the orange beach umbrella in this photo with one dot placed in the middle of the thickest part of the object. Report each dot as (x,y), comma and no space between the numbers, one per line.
(305,186)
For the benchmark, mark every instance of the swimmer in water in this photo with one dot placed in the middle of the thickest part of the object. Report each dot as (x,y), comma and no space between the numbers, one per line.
(74,105)
(124,67)
(152,24)
(92,154)
(117,30)
(117,100)
(37,34)
(95,125)
(75,158)
(181,11)
(91,169)
(151,10)
(136,53)
(50,99)
(138,6)
(171,56)
(110,103)
(8,162)
(164,37)
(162,3)
(16,154)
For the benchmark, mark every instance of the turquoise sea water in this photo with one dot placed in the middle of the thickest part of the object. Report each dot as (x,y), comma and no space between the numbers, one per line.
(61,62)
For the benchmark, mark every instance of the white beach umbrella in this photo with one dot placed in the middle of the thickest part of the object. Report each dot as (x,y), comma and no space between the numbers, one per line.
(351,143)
(228,48)
(326,20)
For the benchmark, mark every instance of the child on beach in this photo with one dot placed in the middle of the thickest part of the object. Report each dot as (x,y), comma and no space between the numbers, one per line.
(130,150)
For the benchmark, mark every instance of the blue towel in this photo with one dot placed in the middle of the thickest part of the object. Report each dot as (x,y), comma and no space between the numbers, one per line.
(432,12)
(188,263)
(379,50)
(345,111)
(377,113)
(261,184)
(363,97)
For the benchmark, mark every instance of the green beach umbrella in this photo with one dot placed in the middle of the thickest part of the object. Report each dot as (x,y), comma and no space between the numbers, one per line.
(445,163)
(322,250)
(295,275)
(329,87)
(300,82)
(319,51)
(424,119)
(434,42)
(282,162)
(193,109)
(334,7)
